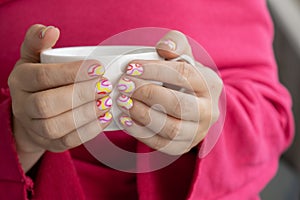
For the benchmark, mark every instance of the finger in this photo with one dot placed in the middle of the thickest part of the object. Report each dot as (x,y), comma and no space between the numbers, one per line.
(180,74)
(37,77)
(38,38)
(174,103)
(173,44)
(76,137)
(82,135)
(155,141)
(164,125)
(49,103)
(58,126)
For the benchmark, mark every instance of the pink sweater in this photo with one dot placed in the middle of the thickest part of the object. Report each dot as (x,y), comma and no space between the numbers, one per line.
(258,126)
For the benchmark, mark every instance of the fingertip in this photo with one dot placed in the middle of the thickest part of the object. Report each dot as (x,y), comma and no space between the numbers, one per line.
(49,36)
(173,44)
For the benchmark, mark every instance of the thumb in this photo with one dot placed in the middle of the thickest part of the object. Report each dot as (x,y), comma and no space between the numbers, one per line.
(38,37)
(173,44)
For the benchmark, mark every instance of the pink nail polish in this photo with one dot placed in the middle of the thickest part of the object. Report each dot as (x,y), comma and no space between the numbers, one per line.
(96,70)
(126,85)
(134,69)
(104,103)
(103,87)
(107,117)
(126,121)
(125,102)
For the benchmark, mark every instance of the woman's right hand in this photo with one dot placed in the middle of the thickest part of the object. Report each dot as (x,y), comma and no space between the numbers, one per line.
(55,106)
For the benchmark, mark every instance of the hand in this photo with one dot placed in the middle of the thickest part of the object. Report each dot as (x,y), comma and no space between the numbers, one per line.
(163,118)
(55,106)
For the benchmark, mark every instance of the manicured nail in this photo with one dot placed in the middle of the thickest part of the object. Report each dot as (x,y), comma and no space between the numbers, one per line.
(124,102)
(104,103)
(103,87)
(44,30)
(105,118)
(126,85)
(96,70)
(134,69)
(169,43)
(126,121)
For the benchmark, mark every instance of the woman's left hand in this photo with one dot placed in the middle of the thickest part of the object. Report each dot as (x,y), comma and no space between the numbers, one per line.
(167,118)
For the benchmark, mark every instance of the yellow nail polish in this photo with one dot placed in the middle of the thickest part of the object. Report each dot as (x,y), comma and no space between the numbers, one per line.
(107,117)
(125,102)
(126,85)
(126,121)
(104,103)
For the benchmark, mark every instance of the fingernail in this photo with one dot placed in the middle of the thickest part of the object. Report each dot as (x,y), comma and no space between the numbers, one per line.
(105,118)
(44,30)
(126,85)
(134,69)
(169,43)
(126,121)
(96,70)
(103,87)
(124,102)
(104,103)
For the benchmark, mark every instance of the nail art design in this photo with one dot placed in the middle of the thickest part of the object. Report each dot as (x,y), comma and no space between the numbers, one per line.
(105,118)
(43,32)
(169,43)
(126,85)
(126,121)
(104,103)
(96,70)
(103,87)
(124,102)
(134,69)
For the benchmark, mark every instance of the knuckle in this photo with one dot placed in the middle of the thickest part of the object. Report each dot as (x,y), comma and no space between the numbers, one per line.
(173,130)
(41,105)
(183,70)
(67,142)
(80,95)
(50,129)
(143,115)
(147,92)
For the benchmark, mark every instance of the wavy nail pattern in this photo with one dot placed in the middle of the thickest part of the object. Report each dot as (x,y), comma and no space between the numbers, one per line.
(103,87)
(104,103)
(134,69)
(126,121)
(96,70)
(126,85)
(105,118)
(124,102)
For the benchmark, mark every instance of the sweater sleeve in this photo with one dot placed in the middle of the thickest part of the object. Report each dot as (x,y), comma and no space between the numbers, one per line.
(48,184)
(259,124)
(13,182)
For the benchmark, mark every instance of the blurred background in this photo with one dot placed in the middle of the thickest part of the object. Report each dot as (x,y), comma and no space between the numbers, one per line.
(286,17)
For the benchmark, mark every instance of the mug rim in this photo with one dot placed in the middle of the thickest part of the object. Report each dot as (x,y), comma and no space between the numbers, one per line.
(84,51)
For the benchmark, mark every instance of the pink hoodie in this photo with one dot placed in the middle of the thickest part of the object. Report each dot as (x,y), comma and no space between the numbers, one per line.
(258,125)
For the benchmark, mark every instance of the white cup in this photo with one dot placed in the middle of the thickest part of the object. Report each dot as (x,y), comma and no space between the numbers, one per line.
(113,58)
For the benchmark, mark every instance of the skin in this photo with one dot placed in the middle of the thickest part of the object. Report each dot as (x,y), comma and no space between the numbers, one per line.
(44,102)
(166,119)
